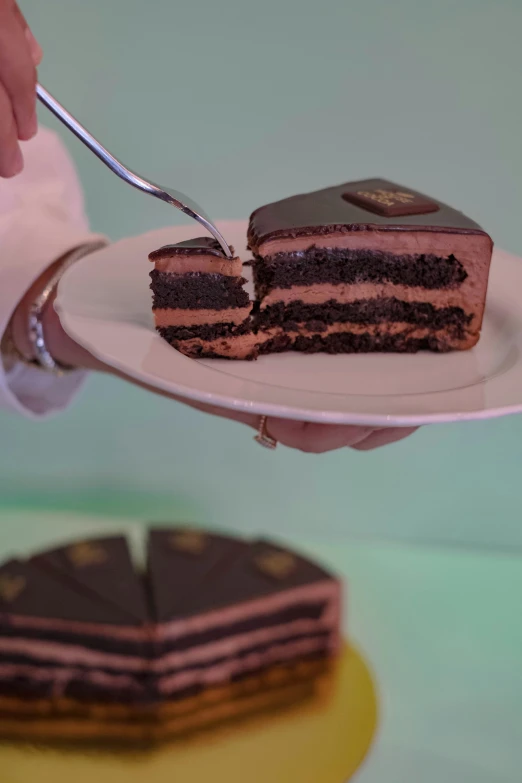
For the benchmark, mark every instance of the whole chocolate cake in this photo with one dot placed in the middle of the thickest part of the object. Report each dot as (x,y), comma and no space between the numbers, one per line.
(216,628)
(364,266)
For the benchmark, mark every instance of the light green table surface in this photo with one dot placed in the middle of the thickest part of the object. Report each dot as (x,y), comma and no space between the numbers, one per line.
(240,102)
(441,631)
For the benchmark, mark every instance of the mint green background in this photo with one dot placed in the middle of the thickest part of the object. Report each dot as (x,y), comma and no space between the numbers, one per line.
(239,102)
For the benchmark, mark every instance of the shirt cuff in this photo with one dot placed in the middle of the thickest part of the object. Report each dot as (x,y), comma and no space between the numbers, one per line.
(32,243)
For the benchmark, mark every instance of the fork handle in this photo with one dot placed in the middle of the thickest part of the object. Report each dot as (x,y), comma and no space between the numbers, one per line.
(88,139)
(123,172)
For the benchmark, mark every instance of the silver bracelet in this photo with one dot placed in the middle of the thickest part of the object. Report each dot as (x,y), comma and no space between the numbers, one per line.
(42,357)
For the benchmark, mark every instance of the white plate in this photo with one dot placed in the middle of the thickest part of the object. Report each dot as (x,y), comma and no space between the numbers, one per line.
(104,303)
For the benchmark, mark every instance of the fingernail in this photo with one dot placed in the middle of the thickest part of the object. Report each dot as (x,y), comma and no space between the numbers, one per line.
(34,46)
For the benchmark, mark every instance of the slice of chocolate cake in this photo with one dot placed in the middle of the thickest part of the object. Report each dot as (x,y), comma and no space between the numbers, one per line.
(368,266)
(58,642)
(232,608)
(200,306)
(104,569)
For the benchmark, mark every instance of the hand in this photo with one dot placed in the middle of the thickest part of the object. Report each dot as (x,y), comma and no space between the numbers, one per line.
(20,54)
(303,436)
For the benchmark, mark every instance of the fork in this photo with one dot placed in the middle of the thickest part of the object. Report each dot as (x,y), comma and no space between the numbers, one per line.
(171,196)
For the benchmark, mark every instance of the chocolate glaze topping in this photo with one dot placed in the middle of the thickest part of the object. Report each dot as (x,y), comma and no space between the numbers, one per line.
(207,246)
(224,572)
(31,591)
(381,205)
(188,571)
(101,567)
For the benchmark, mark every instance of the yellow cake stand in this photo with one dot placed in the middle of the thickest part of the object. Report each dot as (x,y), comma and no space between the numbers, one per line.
(323,740)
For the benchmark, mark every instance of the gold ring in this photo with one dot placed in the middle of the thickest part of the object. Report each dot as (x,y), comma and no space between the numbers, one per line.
(263,438)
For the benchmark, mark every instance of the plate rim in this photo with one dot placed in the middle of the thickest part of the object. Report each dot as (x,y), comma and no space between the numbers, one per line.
(72,325)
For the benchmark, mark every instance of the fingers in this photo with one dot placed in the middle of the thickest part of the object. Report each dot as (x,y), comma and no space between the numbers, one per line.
(380,438)
(11,160)
(34,47)
(315,438)
(18,83)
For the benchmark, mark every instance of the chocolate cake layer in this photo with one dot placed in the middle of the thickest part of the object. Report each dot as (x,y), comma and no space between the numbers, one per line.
(350,342)
(323,265)
(238,346)
(370,311)
(204,331)
(196,290)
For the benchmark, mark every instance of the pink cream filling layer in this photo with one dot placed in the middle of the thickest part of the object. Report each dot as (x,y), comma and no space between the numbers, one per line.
(176,317)
(319,293)
(181,265)
(469,248)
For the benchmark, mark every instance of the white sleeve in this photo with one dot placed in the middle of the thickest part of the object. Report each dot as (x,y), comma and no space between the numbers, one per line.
(41,218)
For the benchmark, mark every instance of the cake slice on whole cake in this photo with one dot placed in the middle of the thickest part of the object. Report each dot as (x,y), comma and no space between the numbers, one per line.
(368,266)
(200,306)
(62,644)
(227,608)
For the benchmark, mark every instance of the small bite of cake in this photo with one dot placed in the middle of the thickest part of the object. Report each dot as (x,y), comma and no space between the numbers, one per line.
(368,266)
(200,305)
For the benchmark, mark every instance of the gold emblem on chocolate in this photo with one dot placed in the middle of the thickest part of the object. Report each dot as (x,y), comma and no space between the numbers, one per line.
(86,554)
(191,541)
(276,564)
(387,197)
(11,587)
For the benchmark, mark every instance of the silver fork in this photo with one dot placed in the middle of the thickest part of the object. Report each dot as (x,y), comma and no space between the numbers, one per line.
(174,197)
